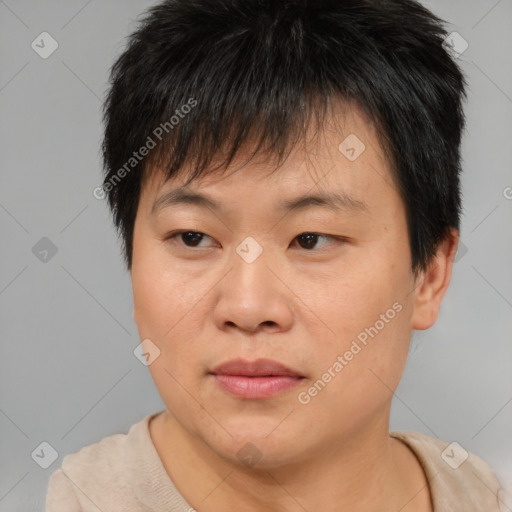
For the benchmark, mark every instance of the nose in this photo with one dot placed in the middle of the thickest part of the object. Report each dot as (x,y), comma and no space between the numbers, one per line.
(254,297)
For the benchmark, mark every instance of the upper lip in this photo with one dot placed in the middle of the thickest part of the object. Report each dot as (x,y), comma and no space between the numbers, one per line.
(256,368)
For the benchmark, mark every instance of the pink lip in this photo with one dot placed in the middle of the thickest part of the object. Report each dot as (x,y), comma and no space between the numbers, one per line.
(262,378)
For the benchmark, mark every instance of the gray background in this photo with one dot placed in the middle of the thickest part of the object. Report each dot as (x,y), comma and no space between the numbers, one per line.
(68,375)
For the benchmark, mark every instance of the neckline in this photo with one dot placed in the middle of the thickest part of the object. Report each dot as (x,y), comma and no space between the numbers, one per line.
(157,487)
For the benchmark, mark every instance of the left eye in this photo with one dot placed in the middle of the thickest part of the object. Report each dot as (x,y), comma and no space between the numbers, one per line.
(308,240)
(191,239)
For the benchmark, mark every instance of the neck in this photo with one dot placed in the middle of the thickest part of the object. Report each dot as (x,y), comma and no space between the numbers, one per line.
(368,472)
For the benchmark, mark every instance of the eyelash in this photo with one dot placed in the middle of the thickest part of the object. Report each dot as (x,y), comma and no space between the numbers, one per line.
(171,237)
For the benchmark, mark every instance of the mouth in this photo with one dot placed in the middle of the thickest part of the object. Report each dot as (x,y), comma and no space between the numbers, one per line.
(262,378)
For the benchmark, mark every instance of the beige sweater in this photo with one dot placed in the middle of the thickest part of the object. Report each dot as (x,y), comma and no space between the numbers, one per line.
(124,473)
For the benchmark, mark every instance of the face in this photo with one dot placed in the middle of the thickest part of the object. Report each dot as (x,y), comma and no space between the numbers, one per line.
(325,290)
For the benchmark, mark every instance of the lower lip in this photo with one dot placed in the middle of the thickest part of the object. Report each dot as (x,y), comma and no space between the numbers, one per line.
(256,387)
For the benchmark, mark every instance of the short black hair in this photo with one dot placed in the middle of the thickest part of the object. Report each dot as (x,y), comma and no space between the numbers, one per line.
(199,78)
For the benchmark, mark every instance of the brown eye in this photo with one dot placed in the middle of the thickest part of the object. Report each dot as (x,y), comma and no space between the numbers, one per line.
(309,240)
(191,238)
(187,238)
(306,241)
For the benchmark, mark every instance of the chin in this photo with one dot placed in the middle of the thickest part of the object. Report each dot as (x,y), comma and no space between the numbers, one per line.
(256,444)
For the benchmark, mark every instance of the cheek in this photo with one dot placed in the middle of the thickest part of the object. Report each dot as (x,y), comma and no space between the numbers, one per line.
(148,300)
(164,312)
(169,309)
(357,374)
(163,294)
(370,313)
(372,333)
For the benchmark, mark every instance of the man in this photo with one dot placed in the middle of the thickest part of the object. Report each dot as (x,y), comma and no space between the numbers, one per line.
(285,178)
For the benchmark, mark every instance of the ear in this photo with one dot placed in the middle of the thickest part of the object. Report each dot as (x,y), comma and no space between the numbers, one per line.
(431,285)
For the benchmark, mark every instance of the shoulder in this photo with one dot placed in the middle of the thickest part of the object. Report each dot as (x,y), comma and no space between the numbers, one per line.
(458,479)
(99,459)
(80,482)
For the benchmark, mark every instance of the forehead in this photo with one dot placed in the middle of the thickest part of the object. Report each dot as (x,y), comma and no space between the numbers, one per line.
(343,158)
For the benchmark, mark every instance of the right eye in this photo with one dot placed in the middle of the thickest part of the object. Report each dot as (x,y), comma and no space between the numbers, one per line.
(187,238)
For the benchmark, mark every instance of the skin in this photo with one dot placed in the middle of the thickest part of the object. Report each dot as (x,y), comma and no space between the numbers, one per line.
(301,306)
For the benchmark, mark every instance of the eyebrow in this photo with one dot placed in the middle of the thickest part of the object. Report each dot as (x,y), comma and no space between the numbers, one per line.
(335,201)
